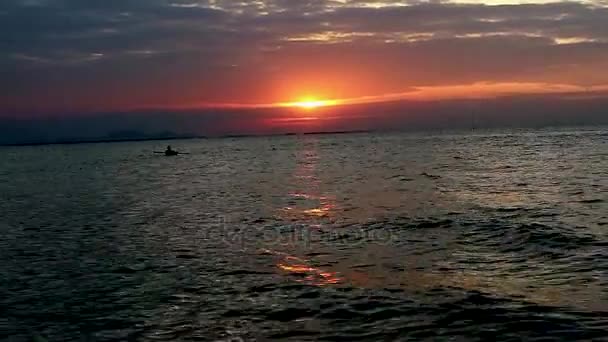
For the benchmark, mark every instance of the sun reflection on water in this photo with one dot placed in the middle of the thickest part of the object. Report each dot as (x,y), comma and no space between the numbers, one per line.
(307,202)
(308,205)
(309,274)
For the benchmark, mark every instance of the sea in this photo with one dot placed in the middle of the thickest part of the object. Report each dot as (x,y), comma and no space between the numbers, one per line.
(443,236)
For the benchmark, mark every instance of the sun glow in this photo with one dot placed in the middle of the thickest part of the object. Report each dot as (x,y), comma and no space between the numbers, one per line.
(310,103)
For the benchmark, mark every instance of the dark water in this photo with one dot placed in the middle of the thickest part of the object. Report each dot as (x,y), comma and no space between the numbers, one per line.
(336,238)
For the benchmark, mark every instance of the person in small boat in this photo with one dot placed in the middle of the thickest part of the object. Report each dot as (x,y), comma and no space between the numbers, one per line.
(170,152)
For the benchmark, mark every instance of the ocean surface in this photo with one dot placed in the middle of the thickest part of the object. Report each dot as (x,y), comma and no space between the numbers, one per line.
(497,235)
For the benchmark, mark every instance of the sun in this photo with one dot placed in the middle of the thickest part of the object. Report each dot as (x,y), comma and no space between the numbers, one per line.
(310,103)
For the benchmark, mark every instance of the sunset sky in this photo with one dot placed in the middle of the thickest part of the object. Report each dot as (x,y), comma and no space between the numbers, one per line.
(97,56)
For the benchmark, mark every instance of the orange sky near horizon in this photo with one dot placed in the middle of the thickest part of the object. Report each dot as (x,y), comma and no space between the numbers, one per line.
(311,100)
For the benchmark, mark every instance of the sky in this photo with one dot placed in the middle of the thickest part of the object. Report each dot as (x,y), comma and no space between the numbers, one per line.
(230,60)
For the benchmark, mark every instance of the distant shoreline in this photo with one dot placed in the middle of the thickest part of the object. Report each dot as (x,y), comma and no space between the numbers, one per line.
(237,136)
(109,140)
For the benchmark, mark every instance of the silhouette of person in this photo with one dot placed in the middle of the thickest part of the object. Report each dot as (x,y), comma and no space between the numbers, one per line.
(170,152)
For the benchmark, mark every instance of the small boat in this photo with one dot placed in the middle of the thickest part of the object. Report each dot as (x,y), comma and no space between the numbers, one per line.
(168,153)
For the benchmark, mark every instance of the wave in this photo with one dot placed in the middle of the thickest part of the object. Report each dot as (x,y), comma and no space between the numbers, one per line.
(504,234)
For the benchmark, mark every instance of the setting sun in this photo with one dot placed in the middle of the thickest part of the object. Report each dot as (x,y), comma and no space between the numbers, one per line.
(312,103)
